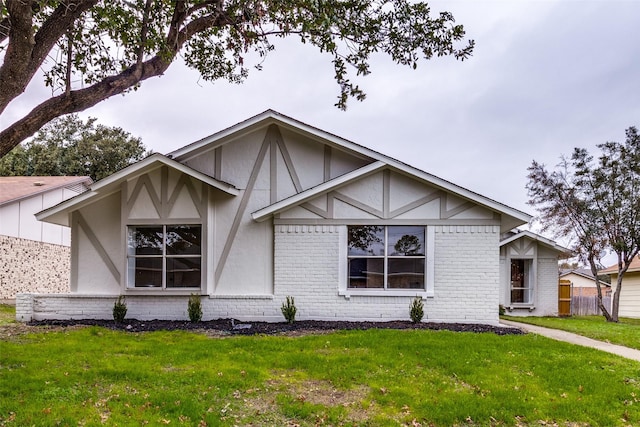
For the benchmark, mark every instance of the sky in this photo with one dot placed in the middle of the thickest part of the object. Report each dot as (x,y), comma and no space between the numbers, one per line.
(545,77)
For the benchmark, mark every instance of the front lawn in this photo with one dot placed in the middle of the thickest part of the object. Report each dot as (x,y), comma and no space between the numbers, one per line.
(626,332)
(96,376)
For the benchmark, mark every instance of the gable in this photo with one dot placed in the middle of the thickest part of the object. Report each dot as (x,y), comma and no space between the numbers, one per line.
(386,195)
(164,193)
(273,158)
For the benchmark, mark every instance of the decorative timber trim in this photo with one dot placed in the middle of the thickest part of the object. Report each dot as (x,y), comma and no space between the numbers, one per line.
(386,212)
(84,226)
(244,202)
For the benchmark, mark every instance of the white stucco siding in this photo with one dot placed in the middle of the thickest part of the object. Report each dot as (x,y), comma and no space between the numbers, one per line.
(97,243)
(205,162)
(308,157)
(244,260)
(238,158)
(368,190)
(342,162)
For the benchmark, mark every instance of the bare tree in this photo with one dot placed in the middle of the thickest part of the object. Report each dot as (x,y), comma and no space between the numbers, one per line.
(597,202)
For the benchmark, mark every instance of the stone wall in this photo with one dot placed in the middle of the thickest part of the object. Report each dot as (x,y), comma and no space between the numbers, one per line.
(27,266)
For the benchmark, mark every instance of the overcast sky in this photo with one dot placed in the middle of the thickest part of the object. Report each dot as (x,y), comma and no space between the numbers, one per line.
(545,76)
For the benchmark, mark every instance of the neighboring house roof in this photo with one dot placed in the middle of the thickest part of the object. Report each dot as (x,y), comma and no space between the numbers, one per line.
(59,214)
(582,272)
(262,120)
(518,234)
(16,188)
(634,266)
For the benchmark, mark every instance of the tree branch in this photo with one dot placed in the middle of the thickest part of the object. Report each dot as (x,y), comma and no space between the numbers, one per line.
(81,99)
(18,52)
(143,32)
(26,51)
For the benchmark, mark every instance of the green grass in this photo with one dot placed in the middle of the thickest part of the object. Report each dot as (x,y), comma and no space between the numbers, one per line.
(94,376)
(7,314)
(626,332)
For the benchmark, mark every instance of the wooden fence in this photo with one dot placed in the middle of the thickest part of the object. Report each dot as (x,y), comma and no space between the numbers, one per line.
(585,305)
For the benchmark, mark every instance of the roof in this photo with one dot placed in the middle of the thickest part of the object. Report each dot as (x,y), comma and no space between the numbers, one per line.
(270,117)
(518,234)
(59,214)
(16,188)
(582,272)
(634,266)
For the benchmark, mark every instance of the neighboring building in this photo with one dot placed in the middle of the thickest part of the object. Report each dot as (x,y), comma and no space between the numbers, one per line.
(273,207)
(34,256)
(529,274)
(630,293)
(583,283)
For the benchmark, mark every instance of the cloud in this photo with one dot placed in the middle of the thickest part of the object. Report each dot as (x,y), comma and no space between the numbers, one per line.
(545,76)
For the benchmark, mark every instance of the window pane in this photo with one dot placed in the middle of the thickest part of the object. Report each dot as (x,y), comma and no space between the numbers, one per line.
(521,283)
(366,240)
(366,273)
(406,273)
(147,272)
(183,240)
(406,241)
(183,272)
(144,241)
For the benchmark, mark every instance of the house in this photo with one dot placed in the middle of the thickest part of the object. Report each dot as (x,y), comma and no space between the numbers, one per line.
(34,255)
(583,283)
(630,293)
(529,274)
(273,207)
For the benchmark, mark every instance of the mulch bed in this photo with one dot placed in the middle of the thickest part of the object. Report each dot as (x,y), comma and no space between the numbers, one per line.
(234,327)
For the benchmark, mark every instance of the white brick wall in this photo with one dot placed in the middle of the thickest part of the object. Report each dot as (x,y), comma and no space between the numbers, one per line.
(307,266)
(547,296)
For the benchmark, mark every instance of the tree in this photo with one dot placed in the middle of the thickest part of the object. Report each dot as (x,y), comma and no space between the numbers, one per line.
(69,146)
(595,201)
(91,50)
(408,245)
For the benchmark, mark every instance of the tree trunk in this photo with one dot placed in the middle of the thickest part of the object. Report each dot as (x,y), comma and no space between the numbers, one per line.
(603,309)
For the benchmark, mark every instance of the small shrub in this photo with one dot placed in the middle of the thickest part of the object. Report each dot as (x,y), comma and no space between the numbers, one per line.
(119,309)
(416,310)
(501,310)
(289,310)
(195,308)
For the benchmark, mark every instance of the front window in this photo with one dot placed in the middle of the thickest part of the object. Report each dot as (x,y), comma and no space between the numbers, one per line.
(386,257)
(521,281)
(164,256)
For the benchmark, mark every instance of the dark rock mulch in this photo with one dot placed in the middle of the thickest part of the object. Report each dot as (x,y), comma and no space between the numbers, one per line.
(229,326)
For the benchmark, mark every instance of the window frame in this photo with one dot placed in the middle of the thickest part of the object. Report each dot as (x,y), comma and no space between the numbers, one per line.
(427,291)
(130,284)
(529,280)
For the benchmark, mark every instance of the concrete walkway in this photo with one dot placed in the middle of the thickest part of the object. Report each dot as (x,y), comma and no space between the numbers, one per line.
(569,337)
